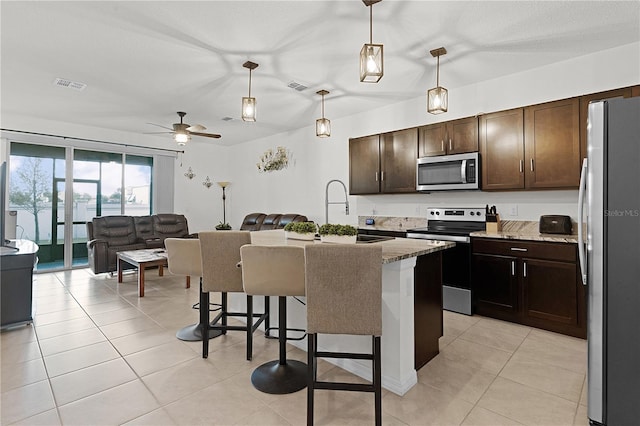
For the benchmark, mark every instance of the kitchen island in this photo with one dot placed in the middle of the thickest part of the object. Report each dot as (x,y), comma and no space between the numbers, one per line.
(399,257)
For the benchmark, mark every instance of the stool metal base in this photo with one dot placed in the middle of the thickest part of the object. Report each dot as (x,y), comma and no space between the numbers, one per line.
(275,378)
(193,333)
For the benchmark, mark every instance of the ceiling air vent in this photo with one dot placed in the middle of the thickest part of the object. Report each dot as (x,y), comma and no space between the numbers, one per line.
(227,118)
(297,86)
(75,85)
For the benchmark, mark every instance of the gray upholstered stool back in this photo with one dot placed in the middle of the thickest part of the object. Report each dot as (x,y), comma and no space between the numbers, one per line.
(183,256)
(344,289)
(276,271)
(220,255)
(273,270)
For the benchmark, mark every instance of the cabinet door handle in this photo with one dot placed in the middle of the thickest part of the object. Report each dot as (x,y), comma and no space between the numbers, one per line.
(376,176)
(518,249)
(521,165)
(532,164)
(450,145)
(524,269)
(513,268)
(442,145)
(381,176)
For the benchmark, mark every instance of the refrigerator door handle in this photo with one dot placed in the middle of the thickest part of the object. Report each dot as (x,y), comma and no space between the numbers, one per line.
(581,246)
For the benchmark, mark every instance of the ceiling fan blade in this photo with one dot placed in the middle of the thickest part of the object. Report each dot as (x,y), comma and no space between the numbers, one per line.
(196,128)
(206,135)
(164,127)
(157,133)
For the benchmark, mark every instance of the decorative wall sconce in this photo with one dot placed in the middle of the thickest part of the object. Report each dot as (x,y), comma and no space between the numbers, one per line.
(249,103)
(438,97)
(371,55)
(190,175)
(323,125)
(207,182)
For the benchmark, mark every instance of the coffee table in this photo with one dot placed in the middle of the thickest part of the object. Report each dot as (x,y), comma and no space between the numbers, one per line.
(143,259)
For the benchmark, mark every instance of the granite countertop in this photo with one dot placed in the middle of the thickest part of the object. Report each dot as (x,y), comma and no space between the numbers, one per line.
(392,250)
(526,230)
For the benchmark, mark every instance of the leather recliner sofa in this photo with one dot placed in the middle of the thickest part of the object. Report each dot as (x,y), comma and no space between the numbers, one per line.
(110,234)
(262,222)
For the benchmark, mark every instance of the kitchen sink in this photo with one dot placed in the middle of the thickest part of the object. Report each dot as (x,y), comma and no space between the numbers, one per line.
(365,238)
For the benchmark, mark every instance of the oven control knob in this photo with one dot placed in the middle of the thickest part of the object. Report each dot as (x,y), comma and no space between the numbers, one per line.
(438,213)
(432,213)
(472,213)
(478,213)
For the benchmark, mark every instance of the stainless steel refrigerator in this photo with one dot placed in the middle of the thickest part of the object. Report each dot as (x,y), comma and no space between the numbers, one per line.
(610,260)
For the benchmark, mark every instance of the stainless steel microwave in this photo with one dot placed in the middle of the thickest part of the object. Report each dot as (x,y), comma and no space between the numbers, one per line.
(448,172)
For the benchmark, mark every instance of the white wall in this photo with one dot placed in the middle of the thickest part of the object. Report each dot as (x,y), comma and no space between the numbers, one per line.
(315,161)
(301,187)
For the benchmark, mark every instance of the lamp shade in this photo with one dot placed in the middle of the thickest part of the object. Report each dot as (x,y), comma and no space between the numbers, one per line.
(371,63)
(323,127)
(181,138)
(437,100)
(248,109)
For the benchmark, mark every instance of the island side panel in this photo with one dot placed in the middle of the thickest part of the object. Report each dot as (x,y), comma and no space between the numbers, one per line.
(428,307)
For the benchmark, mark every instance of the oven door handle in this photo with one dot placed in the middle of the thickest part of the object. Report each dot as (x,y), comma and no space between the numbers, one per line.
(454,238)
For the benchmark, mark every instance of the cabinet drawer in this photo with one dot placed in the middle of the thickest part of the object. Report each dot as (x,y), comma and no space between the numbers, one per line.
(562,252)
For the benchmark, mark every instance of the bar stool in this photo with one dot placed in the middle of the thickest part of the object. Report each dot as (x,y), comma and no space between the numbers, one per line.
(344,296)
(220,256)
(276,271)
(183,258)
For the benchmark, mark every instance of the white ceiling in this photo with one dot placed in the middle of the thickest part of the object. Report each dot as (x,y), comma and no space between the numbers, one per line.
(144,60)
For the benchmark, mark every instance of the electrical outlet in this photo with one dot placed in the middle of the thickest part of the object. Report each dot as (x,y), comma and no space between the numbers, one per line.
(513,210)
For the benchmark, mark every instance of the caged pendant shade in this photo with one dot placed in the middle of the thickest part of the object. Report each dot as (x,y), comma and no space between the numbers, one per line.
(371,55)
(249,103)
(438,97)
(323,125)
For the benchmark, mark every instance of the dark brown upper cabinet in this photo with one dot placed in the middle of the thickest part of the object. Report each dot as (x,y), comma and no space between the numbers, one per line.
(552,144)
(450,137)
(383,163)
(364,165)
(502,150)
(537,147)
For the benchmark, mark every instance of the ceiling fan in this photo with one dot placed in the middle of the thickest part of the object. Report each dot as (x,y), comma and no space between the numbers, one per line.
(182,131)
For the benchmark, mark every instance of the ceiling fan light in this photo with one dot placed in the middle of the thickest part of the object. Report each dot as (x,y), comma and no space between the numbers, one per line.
(248,109)
(371,63)
(437,100)
(323,127)
(181,138)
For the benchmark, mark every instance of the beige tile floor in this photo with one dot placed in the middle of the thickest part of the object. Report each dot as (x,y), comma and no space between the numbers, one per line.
(99,355)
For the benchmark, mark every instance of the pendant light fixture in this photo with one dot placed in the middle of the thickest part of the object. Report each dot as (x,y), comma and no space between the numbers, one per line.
(438,97)
(323,125)
(249,103)
(371,58)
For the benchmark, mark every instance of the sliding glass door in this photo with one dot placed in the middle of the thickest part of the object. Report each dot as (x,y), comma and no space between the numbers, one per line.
(54,214)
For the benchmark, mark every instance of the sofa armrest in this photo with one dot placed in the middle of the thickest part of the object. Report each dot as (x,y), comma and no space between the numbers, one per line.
(97,244)
(97,252)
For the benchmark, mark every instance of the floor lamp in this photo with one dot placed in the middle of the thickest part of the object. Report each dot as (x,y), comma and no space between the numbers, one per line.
(224,185)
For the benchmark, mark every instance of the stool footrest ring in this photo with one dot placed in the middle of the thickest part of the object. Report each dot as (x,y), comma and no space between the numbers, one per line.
(268,335)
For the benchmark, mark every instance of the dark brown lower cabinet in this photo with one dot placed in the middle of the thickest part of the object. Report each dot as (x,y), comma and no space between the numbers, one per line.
(428,326)
(531,283)
(496,293)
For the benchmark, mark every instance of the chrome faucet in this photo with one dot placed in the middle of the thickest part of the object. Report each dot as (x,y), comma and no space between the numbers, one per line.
(326,199)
